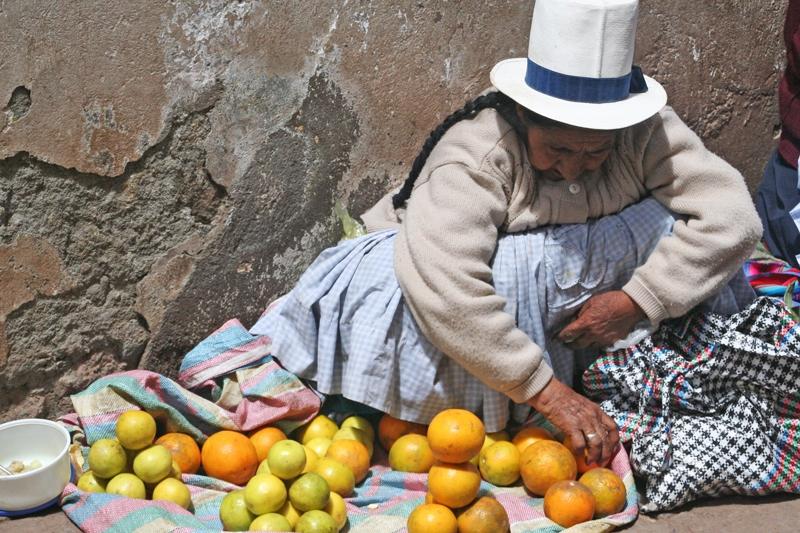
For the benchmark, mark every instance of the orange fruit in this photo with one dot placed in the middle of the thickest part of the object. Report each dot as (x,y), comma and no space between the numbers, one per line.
(319,445)
(528,435)
(229,456)
(430,518)
(312,458)
(390,429)
(337,509)
(287,459)
(499,463)
(264,438)
(88,482)
(339,477)
(135,430)
(309,492)
(127,485)
(233,512)
(353,433)
(320,426)
(316,521)
(608,489)
(429,497)
(544,463)
(490,439)
(486,515)
(453,485)
(290,513)
(153,464)
(411,453)
(184,450)
(568,503)
(580,460)
(174,491)
(455,435)
(351,453)
(359,422)
(107,458)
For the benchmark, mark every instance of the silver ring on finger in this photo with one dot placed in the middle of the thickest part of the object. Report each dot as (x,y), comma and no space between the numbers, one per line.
(590,436)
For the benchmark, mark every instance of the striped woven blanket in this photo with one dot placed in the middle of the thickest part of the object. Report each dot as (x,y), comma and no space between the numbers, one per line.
(230,381)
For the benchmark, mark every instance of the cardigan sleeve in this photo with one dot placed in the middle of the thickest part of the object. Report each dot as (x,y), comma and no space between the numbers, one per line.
(442,260)
(719,229)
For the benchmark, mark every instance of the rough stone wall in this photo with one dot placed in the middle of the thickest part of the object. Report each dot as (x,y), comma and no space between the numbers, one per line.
(167,165)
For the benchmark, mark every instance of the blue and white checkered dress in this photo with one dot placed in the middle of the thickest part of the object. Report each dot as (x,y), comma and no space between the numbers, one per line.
(346,329)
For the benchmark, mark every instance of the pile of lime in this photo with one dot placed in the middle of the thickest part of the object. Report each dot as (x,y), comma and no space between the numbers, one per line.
(131,465)
(301,482)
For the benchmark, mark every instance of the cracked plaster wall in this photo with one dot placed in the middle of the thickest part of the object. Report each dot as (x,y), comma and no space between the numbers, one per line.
(167,165)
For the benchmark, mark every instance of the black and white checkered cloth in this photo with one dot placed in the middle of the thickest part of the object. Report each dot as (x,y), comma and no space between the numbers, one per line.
(711,403)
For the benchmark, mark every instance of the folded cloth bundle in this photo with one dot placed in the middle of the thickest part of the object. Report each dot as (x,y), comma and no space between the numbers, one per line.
(774,277)
(711,403)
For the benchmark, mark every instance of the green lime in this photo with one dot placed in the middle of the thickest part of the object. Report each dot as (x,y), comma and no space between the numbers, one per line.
(309,492)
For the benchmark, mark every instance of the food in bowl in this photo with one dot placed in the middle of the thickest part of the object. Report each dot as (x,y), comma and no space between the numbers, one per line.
(18,467)
(31,440)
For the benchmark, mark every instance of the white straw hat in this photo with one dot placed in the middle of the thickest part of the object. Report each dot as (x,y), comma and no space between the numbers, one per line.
(579,66)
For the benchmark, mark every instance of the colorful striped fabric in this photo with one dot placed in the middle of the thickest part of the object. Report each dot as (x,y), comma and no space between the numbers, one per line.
(773,277)
(382,503)
(254,392)
(244,388)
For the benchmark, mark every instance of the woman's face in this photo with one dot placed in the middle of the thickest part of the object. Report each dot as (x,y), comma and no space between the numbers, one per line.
(566,153)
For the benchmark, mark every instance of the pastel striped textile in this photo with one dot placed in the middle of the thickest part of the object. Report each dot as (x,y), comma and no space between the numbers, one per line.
(235,384)
(253,392)
(382,503)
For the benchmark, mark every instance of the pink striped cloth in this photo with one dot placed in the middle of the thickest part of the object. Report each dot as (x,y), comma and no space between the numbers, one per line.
(230,381)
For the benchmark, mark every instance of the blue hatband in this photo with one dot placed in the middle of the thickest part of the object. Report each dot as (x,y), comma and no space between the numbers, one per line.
(581,89)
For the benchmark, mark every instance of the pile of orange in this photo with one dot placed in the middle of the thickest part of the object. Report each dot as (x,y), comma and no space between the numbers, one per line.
(447,453)
(549,468)
(456,453)
(599,492)
(453,450)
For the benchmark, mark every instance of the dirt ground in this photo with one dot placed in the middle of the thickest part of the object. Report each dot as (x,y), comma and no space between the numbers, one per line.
(773,514)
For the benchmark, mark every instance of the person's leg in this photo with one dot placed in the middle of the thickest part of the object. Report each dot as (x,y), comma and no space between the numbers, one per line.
(346,331)
(556,269)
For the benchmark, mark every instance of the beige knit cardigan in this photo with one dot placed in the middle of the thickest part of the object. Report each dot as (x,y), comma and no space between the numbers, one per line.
(478,182)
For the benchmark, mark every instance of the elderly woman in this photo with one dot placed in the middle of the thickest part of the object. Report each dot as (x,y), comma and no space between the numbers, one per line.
(547,217)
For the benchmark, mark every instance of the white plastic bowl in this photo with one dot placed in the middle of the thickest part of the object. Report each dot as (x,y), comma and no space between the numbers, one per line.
(27,440)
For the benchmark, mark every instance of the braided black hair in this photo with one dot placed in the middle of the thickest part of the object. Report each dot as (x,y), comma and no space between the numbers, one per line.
(496,100)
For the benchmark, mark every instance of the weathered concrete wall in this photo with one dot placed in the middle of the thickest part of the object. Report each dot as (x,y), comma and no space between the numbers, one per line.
(167,165)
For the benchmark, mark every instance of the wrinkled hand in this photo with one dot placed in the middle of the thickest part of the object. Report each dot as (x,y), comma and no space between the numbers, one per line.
(603,320)
(580,419)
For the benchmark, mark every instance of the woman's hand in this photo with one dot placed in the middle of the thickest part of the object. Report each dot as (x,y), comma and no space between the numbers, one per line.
(580,419)
(603,320)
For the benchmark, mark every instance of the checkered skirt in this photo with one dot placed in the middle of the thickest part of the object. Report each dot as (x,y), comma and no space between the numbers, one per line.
(345,327)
